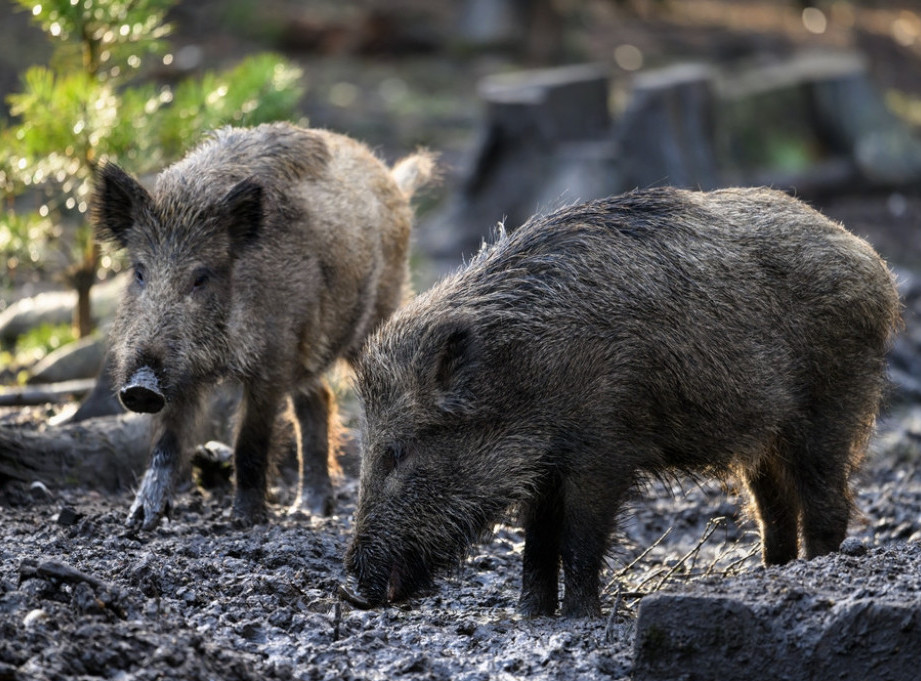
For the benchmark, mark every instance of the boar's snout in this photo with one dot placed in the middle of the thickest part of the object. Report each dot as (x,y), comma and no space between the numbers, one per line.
(384,577)
(142,392)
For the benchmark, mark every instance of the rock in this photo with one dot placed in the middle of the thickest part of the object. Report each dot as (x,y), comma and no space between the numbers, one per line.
(835,617)
(68,516)
(80,359)
(852,546)
(870,640)
(699,636)
(39,492)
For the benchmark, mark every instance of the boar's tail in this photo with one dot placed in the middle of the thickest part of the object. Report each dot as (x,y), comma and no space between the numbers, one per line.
(414,171)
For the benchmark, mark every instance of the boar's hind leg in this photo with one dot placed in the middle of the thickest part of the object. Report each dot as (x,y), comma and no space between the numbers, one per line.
(312,406)
(822,479)
(251,454)
(543,525)
(775,500)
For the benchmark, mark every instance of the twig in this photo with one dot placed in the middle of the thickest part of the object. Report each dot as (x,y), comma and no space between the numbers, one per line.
(337,618)
(623,571)
(107,596)
(640,557)
(609,629)
(649,578)
(735,564)
(712,567)
(708,532)
(61,571)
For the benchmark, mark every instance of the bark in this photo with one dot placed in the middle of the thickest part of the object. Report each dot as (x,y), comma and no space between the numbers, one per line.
(44,393)
(107,453)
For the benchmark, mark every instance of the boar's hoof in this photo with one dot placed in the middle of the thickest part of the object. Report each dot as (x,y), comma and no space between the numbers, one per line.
(315,502)
(151,503)
(249,509)
(143,394)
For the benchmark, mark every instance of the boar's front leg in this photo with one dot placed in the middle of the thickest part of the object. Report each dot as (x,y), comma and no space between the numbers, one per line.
(153,496)
(314,489)
(542,518)
(590,500)
(251,453)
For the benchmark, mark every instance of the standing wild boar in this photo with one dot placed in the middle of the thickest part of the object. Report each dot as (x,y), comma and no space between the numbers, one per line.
(660,330)
(263,256)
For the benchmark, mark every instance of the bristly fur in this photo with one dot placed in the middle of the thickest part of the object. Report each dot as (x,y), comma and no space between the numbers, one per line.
(264,255)
(659,331)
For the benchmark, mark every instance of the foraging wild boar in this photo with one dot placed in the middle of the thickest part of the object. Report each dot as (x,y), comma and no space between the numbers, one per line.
(660,330)
(263,256)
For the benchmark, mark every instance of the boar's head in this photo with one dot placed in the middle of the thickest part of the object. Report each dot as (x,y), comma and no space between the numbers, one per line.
(436,470)
(170,333)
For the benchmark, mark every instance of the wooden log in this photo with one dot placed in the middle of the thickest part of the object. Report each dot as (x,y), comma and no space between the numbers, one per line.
(107,453)
(45,393)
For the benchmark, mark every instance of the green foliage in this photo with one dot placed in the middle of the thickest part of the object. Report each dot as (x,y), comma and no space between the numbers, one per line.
(38,342)
(108,37)
(261,88)
(92,103)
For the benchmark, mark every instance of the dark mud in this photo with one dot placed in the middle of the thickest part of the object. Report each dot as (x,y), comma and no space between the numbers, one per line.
(199,598)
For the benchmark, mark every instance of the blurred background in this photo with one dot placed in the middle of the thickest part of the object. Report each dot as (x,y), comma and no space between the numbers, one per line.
(530,104)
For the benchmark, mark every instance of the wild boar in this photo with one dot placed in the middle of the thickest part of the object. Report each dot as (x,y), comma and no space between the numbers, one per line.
(662,330)
(262,256)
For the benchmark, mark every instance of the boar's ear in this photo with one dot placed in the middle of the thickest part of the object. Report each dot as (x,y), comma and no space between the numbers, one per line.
(117,201)
(241,207)
(451,365)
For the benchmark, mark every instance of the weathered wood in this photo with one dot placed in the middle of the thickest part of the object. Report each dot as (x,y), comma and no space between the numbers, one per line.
(667,135)
(57,307)
(537,125)
(80,359)
(107,453)
(45,393)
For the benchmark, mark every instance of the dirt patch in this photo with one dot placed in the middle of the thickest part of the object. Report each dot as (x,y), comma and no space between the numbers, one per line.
(199,598)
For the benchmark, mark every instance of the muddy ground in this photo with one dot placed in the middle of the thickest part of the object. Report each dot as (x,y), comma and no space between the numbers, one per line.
(82,598)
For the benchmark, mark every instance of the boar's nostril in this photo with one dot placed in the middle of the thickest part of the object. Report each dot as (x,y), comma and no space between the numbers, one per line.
(142,393)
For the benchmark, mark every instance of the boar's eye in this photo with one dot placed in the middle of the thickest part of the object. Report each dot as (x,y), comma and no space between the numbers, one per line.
(200,278)
(393,455)
(140,275)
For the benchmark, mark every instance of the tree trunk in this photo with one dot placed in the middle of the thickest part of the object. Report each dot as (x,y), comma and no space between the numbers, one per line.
(84,276)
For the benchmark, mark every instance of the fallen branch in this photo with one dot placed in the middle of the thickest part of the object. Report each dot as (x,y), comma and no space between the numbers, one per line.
(107,453)
(106,596)
(44,393)
(55,570)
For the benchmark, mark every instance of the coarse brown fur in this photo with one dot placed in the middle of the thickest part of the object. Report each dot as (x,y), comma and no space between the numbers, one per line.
(656,331)
(263,256)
